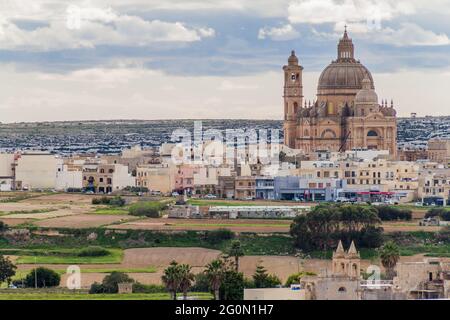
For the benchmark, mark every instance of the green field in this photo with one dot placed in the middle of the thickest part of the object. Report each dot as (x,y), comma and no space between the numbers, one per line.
(110,211)
(85,296)
(67,256)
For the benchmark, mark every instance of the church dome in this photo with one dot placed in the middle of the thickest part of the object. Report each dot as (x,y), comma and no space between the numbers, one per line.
(344,75)
(366,95)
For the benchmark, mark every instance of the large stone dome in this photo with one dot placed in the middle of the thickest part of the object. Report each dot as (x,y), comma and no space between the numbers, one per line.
(344,75)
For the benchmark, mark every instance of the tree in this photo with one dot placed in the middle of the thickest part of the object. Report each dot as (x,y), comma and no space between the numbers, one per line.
(3,226)
(42,277)
(232,287)
(296,277)
(325,224)
(262,279)
(7,270)
(186,279)
(214,272)
(111,282)
(172,278)
(236,251)
(389,255)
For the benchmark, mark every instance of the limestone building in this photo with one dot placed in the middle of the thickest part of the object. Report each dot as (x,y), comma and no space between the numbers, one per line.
(342,284)
(346,115)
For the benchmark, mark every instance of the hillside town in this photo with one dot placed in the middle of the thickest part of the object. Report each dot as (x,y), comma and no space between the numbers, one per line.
(331,208)
(352,176)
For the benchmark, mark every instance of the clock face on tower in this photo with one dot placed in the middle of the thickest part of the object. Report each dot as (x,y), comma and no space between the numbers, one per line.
(293,77)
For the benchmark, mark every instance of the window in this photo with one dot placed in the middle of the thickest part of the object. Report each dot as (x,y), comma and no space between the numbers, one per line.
(342,290)
(372,133)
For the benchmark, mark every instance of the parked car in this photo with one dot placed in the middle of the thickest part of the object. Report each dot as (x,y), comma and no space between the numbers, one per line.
(342,200)
(210,196)
(175,194)
(418,204)
(377,204)
(391,201)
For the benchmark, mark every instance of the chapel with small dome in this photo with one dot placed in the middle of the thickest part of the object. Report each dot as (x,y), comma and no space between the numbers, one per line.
(346,114)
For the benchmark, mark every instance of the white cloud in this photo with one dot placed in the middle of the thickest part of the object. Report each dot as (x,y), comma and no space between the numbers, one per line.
(286,32)
(410,34)
(228,85)
(90,27)
(332,11)
(135,93)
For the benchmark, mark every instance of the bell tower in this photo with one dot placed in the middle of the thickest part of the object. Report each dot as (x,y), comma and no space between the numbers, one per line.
(293,97)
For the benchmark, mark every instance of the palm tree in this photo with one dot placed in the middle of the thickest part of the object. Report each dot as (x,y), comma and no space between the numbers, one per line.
(172,278)
(214,273)
(236,251)
(389,255)
(186,279)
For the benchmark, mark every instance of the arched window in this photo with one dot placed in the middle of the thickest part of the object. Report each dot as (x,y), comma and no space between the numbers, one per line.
(295,107)
(306,133)
(342,289)
(372,133)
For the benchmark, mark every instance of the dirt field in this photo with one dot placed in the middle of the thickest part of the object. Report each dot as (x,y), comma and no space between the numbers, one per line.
(408,227)
(240,225)
(82,221)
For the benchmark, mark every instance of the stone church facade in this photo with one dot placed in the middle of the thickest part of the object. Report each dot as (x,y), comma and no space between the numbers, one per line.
(346,114)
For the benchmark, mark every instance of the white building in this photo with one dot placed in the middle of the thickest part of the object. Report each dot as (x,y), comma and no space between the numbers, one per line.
(68,179)
(37,170)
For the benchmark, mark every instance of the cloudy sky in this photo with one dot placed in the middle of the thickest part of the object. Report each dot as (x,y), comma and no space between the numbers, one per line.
(167,59)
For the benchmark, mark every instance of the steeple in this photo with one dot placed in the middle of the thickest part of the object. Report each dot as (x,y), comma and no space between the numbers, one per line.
(352,250)
(339,250)
(346,49)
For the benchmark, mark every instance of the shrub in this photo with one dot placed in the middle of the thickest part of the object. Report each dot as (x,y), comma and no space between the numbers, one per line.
(296,277)
(388,213)
(96,288)
(201,283)
(111,282)
(442,213)
(149,209)
(148,288)
(136,189)
(116,201)
(93,251)
(96,201)
(217,236)
(3,226)
(42,277)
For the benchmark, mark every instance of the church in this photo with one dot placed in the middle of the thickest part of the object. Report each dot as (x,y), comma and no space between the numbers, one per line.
(346,114)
